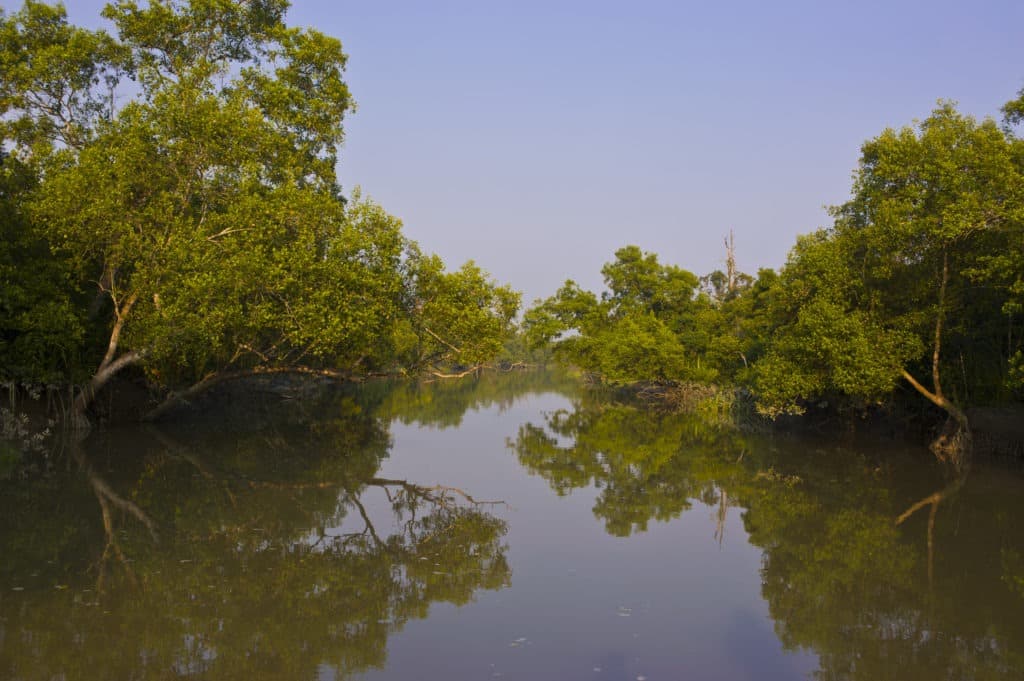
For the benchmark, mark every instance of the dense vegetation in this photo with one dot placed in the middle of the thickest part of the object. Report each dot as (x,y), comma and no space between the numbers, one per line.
(169,202)
(918,284)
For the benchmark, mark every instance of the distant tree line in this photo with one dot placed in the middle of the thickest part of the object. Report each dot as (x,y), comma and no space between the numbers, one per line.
(916,287)
(169,203)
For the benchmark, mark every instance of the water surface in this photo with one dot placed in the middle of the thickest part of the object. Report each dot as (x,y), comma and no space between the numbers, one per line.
(513,527)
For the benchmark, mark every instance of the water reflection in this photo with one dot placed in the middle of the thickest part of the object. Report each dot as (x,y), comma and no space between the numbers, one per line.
(647,465)
(268,562)
(278,542)
(444,403)
(884,565)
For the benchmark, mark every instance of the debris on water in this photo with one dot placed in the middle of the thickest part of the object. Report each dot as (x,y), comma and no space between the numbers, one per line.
(641,678)
(17,588)
(597,669)
(623,611)
(185,560)
(60,587)
(518,642)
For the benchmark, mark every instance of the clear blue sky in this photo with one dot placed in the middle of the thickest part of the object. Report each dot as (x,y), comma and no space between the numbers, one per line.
(538,137)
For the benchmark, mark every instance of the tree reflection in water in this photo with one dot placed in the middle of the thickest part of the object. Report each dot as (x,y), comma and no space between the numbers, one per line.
(274,559)
(267,563)
(851,570)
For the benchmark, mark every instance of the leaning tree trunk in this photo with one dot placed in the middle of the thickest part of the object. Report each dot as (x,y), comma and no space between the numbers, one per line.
(108,368)
(954,440)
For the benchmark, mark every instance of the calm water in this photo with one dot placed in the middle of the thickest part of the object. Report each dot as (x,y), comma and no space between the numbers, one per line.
(514,527)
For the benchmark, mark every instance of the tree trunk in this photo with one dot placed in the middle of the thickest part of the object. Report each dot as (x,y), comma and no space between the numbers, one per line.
(108,367)
(730,264)
(938,400)
(954,441)
(106,371)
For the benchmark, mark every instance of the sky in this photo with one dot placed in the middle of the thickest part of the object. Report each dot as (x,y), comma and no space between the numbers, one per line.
(536,138)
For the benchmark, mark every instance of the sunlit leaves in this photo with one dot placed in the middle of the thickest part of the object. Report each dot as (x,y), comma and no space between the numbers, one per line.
(57,79)
(926,242)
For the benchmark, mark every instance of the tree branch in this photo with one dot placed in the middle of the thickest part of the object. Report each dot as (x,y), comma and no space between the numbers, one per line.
(176,399)
(115,333)
(102,377)
(443,341)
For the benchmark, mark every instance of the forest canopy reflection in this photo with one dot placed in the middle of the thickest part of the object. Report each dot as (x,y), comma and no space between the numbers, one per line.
(854,567)
(268,563)
(283,547)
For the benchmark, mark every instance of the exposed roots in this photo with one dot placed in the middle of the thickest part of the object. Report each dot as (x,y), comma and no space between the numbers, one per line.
(953,445)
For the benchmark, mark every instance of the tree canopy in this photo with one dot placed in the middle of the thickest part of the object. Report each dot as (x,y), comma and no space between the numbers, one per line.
(915,288)
(205,212)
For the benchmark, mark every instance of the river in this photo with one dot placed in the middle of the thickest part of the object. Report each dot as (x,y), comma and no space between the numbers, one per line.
(516,526)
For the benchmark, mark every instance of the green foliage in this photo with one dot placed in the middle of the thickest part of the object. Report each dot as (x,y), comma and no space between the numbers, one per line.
(921,274)
(630,334)
(214,206)
(57,79)
(207,209)
(655,323)
(457,319)
(918,263)
(822,347)
(638,346)
(42,315)
(1013,111)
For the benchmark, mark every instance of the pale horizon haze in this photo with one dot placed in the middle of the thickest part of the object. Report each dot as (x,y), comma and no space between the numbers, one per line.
(538,137)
